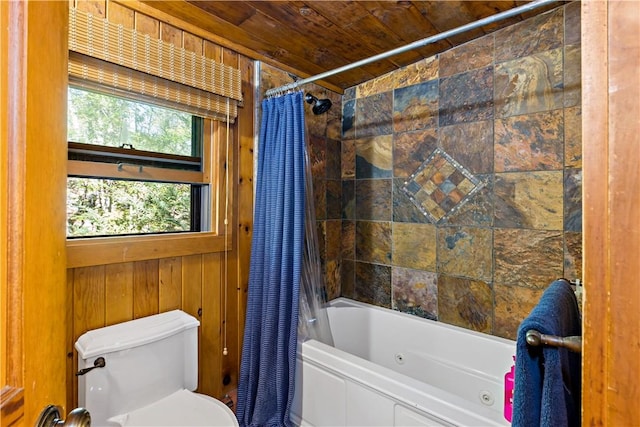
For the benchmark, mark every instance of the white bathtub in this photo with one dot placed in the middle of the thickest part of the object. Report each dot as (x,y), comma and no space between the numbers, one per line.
(393,369)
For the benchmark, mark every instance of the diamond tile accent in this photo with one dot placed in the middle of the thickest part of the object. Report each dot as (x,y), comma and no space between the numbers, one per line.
(440,186)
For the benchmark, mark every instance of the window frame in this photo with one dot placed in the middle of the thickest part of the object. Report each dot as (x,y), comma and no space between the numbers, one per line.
(90,251)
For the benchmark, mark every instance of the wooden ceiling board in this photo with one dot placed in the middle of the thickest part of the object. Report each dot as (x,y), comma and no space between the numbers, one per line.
(341,13)
(234,14)
(346,42)
(298,48)
(406,21)
(307,37)
(382,40)
(317,29)
(488,8)
(380,35)
(449,15)
(539,10)
(354,18)
(282,38)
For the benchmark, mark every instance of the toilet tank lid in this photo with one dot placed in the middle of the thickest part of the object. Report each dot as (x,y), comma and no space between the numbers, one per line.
(133,333)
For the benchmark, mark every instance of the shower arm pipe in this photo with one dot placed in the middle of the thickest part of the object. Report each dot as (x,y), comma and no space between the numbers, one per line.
(414,45)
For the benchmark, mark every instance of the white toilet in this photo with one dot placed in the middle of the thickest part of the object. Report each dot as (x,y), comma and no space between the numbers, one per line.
(149,374)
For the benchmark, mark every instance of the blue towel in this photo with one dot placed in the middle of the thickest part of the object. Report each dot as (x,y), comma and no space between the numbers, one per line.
(547,378)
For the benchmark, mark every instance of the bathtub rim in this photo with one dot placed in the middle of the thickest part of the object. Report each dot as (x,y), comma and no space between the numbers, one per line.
(451,409)
(348,302)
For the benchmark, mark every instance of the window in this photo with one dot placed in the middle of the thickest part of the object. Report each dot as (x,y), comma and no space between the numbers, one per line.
(145,182)
(134,168)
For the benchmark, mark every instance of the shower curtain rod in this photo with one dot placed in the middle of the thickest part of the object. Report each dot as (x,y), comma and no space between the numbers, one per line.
(419,43)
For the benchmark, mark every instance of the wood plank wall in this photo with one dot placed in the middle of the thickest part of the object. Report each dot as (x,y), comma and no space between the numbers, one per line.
(102,295)
(611,152)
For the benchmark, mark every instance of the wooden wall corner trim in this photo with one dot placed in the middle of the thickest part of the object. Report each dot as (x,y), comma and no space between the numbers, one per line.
(595,207)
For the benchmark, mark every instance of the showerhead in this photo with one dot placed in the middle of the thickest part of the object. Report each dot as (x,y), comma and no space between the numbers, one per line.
(320,105)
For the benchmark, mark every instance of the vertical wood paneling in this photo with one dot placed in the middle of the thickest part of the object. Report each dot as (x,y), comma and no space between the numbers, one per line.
(6,352)
(170,293)
(595,159)
(4,188)
(224,199)
(212,51)
(94,7)
(44,257)
(207,133)
(33,296)
(118,293)
(89,305)
(211,328)
(72,356)
(231,59)
(88,299)
(215,161)
(170,34)
(192,285)
(611,118)
(228,139)
(192,43)
(239,259)
(624,204)
(192,296)
(147,25)
(145,288)
(120,15)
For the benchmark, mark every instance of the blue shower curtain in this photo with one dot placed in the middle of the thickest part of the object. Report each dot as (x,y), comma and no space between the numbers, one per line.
(267,371)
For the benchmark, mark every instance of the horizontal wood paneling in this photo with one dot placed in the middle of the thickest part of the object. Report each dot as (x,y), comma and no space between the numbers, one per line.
(118,279)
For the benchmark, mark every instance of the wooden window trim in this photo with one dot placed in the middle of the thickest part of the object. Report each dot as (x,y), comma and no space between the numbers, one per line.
(124,152)
(86,252)
(112,250)
(79,168)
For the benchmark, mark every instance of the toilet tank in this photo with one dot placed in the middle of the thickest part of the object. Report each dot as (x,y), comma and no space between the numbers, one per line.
(145,360)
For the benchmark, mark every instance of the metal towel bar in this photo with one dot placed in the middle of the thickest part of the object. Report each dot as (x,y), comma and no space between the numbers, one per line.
(535,338)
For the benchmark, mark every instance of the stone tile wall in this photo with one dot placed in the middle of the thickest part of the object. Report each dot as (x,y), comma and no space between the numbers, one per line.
(502,111)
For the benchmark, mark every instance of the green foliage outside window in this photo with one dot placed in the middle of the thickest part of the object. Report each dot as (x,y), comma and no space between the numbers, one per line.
(99,119)
(102,207)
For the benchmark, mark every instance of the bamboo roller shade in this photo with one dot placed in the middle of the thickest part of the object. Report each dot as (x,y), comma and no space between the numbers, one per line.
(121,60)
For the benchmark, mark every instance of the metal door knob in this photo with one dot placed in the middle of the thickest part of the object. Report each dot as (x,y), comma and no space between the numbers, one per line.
(50,417)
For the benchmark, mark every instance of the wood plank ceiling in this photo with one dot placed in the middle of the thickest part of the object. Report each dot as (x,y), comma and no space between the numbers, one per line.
(310,37)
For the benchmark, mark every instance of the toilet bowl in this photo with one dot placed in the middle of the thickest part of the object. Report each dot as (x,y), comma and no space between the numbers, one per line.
(147,375)
(182,408)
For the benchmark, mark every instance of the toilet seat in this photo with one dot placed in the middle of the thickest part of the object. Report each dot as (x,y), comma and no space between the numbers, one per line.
(182,408)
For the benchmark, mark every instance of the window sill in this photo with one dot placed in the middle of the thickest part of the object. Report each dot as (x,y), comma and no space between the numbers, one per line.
(111,250)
